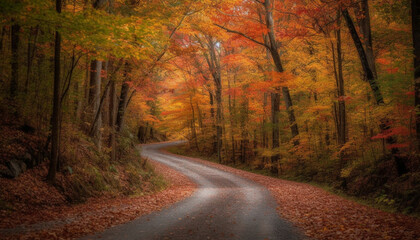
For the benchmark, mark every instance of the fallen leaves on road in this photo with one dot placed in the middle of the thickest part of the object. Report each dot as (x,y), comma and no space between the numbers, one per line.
(95,215)
(322,215)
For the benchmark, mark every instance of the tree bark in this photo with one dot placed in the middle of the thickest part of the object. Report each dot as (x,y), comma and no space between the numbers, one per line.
(415,7)
(55,138)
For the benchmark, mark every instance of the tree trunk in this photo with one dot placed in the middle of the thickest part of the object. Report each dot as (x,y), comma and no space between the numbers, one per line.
(219,120)
(363,58)
(104,111)
(122,103)
(385,123)
(94,100)
(55,138)
(275,110)
(232,124)
(340,92)
(366,32)
(15,60)
(275,101)
(211,98)
(193,129)
(112,115)
(415,6)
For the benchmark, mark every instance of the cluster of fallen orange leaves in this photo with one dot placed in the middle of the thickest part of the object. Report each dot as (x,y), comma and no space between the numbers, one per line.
(59,220)
(322,215)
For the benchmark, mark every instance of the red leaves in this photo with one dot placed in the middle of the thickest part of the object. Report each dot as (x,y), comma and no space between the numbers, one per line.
(392,70)
(401,131)
(344,98)
(383,61)
(400,145)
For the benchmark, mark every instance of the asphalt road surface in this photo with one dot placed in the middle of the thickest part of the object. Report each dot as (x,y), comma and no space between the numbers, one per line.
(224,206)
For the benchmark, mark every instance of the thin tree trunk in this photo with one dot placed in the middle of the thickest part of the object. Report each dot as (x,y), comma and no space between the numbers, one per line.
(194,132)
(340,87)
(99,111)
(211,98)
(104,111)
(275,110)
(55,138)
(232,125)
(219,121)
(112,115)
(95,99)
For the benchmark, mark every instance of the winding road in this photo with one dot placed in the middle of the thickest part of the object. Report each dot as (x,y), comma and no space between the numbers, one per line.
(224,206)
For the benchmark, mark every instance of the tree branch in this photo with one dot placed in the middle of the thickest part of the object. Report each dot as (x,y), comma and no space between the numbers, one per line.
(241,34)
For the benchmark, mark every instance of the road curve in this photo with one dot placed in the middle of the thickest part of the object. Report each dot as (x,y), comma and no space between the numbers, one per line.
(224,206)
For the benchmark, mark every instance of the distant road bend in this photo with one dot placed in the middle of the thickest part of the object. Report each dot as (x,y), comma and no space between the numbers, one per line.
(224,206)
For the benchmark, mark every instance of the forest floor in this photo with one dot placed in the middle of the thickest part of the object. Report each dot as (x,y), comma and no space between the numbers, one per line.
(323,215)
(61,220)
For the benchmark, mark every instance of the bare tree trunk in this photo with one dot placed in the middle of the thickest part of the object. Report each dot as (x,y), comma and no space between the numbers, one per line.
(55,138)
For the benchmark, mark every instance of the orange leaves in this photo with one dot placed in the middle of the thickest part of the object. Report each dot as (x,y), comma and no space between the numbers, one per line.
(383,61)
(283,79)
(170,112)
